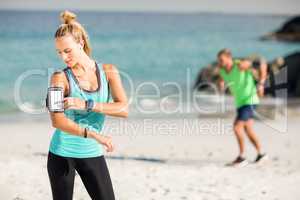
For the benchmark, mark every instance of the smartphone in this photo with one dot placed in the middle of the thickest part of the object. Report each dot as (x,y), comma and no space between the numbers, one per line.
(55,99)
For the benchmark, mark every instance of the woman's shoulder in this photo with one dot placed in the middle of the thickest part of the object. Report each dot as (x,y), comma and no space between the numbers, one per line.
(108,66)
(109,69)
(59,78)
(59,73)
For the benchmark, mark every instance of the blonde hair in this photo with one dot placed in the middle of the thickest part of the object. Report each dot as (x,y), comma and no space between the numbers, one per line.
(72,27)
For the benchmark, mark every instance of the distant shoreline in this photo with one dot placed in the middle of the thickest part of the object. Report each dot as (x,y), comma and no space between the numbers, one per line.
(189,13)
(267,108)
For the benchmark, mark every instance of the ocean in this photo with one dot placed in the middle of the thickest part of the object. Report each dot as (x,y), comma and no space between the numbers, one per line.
(157,54)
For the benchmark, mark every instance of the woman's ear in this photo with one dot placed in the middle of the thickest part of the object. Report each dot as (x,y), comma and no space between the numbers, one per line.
(81,44)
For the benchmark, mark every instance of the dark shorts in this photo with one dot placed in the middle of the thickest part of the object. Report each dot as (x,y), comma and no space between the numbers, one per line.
(245,112)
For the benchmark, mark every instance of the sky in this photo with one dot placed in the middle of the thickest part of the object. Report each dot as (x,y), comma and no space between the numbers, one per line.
(290,7)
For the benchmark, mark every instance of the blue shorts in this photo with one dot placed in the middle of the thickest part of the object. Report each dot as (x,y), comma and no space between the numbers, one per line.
(245,112)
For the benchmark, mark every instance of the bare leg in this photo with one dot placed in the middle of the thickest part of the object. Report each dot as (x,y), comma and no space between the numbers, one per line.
(252,136)
(238,130)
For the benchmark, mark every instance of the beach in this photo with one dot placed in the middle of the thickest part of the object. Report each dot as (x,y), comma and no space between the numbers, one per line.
(180,151)
(160,162)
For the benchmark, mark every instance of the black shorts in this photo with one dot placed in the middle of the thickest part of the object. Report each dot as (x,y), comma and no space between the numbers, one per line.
(92,171)
(245,112)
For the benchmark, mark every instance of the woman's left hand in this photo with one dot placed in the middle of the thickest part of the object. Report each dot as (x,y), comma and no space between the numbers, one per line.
(74,103)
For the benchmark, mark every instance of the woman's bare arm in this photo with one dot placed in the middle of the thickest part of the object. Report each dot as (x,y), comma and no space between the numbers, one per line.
(119,107)
(58,119)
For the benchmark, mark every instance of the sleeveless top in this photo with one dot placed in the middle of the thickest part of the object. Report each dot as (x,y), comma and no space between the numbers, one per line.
(68,145)
(241,85)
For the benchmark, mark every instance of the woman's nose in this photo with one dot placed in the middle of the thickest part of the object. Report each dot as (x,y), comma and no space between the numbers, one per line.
(64,56)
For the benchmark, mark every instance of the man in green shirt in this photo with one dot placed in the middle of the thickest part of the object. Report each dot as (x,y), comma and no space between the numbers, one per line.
(238,76)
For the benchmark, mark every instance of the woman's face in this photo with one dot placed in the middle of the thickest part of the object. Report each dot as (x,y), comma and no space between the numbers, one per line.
(68,50)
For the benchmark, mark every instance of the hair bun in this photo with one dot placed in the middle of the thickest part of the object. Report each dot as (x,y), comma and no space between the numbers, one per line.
(67,17)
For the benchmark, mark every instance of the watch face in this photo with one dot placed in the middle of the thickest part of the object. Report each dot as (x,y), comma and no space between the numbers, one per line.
(90,104)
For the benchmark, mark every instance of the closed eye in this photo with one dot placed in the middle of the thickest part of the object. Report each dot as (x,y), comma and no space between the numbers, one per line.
(67,50)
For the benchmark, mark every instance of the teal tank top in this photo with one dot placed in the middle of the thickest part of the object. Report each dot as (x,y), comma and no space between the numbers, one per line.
(68,145)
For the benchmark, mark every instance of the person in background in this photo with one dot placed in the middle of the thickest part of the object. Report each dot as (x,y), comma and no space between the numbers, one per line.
(239,76)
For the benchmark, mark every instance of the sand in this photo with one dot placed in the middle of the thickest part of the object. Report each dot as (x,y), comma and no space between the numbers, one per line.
(162,159)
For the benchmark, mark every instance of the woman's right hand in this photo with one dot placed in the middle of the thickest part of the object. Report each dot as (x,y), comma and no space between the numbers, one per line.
(106,141)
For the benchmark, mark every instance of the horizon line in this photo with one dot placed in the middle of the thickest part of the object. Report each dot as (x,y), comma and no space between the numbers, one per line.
(154,12)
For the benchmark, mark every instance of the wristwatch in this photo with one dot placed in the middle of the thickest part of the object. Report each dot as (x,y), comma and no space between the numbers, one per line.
(89,105)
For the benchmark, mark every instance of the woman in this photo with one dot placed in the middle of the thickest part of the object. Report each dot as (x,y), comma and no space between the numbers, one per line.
(77,143)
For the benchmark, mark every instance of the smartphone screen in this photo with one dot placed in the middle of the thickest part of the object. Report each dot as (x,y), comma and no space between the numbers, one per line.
(55,99)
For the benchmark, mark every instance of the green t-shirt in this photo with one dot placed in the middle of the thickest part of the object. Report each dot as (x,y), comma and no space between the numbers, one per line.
(241,85)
